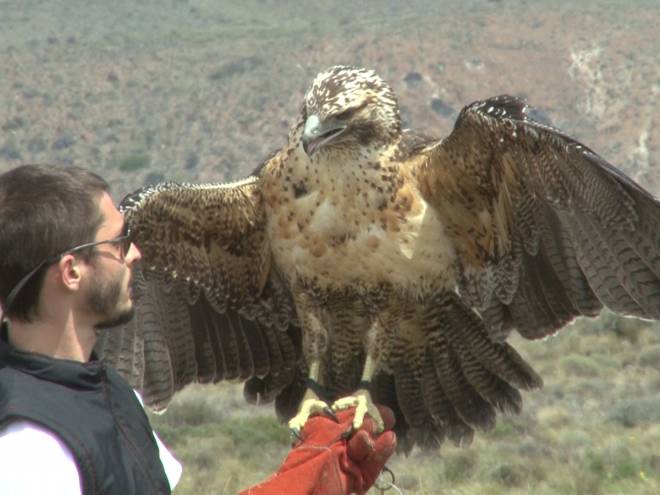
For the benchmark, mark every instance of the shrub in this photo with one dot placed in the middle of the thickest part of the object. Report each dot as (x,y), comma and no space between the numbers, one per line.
(196,410)
(615,461)
(13,124)
(153,178)
(266,432)
(459,465)
(580,365)
(573,439)
(508,474)
(63,141)
(36,144)
(10,151)
(650,357)
(134,162)
(636,412)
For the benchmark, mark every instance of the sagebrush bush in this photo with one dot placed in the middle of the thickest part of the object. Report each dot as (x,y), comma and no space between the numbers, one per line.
(650,357)
(134,162)
(635,412)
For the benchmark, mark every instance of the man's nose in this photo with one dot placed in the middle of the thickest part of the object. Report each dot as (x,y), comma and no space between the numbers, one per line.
(134,255)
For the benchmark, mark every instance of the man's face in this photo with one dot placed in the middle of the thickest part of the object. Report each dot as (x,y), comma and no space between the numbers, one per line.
(108,295)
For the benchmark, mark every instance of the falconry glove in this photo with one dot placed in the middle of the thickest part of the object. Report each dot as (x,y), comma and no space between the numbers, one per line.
(332,460)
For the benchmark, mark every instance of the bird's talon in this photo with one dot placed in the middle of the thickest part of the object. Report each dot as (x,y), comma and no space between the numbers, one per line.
(308,407)
(296,433)
(327,410)
(363,406)
(358,419)
(348,433)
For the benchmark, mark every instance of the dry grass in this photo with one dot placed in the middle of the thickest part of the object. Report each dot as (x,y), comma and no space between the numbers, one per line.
(594,429)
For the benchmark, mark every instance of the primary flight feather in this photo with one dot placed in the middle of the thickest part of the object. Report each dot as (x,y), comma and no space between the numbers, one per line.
(366,260)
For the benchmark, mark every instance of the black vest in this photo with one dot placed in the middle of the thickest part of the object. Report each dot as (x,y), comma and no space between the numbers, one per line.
(93,411)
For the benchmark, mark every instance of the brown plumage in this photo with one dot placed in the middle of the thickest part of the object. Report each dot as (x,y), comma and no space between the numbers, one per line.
(362,251)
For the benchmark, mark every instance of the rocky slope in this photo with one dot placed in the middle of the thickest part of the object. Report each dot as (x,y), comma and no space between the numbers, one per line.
(191,90)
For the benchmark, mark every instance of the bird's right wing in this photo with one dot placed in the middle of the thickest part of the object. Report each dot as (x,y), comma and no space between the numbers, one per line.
(209,306)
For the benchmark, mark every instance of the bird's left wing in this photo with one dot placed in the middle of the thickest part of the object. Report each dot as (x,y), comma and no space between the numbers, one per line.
(544,229)
(209,305)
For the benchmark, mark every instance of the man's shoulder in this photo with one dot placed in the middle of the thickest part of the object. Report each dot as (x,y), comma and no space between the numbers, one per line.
(22,436)
(27,448)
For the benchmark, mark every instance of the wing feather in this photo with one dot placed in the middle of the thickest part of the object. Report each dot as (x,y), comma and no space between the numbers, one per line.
(212,235)
(209,355)
(545,230)
(209,307)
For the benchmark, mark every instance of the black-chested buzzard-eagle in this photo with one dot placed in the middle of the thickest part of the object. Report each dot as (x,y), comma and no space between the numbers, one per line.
(365,259)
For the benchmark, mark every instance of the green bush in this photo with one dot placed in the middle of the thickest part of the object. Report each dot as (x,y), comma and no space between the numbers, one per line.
(134,162)
(459,465)
(508,474)
(616,461)
(193,412)
(650,357)
(636,412)
(261,431)
(580,365)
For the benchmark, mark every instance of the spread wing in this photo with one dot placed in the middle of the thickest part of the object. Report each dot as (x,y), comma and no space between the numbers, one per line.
(209,306)
(544,228)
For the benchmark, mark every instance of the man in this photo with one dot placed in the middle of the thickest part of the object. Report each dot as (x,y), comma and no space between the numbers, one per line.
(68,423)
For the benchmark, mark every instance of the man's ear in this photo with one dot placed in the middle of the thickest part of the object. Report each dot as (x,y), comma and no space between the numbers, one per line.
(69,271)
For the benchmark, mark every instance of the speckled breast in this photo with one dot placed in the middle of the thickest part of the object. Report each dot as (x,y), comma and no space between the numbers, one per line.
(335,241)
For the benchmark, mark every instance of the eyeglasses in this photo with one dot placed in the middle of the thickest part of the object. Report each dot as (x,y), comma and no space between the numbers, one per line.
(123,242)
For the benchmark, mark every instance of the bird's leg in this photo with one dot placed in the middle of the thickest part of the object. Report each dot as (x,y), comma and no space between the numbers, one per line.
(314,344)
(311,403)
(362,400)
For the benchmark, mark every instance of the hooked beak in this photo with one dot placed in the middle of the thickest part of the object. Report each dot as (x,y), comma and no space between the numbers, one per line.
(318,134)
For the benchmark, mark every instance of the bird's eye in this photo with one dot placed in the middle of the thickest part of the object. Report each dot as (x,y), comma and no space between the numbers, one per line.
(349,112)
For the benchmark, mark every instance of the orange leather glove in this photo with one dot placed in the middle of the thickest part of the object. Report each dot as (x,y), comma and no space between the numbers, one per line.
(325,462)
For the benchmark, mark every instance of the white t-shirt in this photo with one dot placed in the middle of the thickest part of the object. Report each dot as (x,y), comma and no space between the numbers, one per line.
(34,460)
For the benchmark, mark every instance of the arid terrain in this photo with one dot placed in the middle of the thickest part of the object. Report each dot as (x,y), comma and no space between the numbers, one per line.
(203,91)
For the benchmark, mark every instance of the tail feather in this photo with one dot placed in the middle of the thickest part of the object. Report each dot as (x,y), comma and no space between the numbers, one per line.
(383,391)
(408,390)
(493,389)
(463,325)
(469,405)
(445,418)
(460,379)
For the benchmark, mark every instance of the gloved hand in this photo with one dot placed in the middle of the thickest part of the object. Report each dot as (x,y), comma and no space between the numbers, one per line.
(326,462)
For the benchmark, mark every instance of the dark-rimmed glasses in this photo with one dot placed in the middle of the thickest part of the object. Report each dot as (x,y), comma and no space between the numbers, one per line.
(123,242)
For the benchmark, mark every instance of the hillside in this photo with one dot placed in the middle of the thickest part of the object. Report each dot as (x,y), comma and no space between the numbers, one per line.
(203,91)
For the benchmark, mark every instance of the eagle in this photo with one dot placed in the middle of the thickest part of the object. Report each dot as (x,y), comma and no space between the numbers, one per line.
(364,263)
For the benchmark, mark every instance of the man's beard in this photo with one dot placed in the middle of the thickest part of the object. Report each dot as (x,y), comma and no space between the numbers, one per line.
(105,300)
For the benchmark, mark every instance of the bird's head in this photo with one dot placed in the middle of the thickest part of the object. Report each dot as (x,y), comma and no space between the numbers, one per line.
(348,108)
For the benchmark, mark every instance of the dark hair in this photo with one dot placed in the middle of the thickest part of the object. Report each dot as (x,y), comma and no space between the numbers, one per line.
(44,210)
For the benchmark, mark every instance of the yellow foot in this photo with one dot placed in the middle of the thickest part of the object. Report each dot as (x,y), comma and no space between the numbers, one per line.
(363,404)
(309,406)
